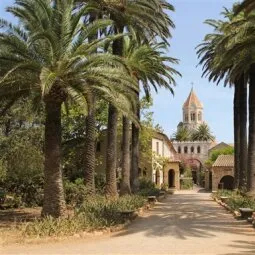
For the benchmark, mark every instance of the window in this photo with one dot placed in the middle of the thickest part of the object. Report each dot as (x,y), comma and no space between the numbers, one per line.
(157,148)
(192,149)
(186,117)
(179,149)
(199,116)
(198,149)
(193,116)
(98,146)
(186,149)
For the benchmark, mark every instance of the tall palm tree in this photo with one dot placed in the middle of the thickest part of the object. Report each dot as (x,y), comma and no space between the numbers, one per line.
(148,19)
(247,6)
(151,68)
(218,67)
(48,57)
(202,133)
(182,134)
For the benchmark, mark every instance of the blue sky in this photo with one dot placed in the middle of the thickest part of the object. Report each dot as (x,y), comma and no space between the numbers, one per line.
(190,31)
(217,100)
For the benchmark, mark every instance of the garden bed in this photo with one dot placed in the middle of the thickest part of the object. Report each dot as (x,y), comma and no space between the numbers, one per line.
(235,202)
(97,217)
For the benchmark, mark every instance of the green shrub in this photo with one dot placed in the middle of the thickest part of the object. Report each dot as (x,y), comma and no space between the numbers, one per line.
(96,213)
(147,188)
(100,182)
(13,201)
(75,192)
(145,183)
(187,183)
(236,199)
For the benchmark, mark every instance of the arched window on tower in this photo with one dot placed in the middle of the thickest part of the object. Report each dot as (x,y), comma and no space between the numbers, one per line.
(192,149)
(193,116)
(200,116)
(198,149)
(186,149)
(179,149)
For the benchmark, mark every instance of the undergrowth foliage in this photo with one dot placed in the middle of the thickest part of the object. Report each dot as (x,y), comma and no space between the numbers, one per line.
(93,214)
(236,199)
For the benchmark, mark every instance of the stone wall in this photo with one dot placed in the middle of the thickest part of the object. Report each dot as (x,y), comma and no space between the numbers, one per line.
(218,173)
(176,168)
(200,150)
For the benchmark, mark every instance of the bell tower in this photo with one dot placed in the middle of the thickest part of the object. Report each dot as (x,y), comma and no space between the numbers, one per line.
(192,111)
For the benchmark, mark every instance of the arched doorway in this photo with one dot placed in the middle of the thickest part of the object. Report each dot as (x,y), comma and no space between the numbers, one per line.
(157,178)
(226,182)
(171,178)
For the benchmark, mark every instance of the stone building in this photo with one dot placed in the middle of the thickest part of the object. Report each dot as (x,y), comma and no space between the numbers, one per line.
(165,162)
(193,153)
(223,173)
(192,111)
(161,168)
(219,146)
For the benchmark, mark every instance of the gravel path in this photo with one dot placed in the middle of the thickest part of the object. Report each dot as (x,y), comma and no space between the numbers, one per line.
(185,223)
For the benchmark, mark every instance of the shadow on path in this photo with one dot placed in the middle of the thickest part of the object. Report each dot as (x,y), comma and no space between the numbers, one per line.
(188,215)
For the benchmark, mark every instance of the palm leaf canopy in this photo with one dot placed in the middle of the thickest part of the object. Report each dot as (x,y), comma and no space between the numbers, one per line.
(150,65)
(148,18)
(228,53)
(202,133)
(247,6)
(49,55)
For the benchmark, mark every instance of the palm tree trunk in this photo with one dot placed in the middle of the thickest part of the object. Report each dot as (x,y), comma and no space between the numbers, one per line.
(125,181)
(135,152)
(90,138)
(54,200)
(237,132)
(111,153)
(251,141)
(243,134)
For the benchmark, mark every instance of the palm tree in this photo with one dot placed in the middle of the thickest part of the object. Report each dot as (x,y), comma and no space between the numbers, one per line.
(150,67)
(48,57)
(202,133)
(218,67)
(147,19)
(247,6)
(182,134)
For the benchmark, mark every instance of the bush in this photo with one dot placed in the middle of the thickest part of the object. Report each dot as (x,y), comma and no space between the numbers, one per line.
(145,183)
(148,188)
(100,182)
(187,183)
(75,192)
(236,199)
(96,213)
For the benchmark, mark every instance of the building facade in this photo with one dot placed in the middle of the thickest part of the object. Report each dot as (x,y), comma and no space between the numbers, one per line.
(193,153)
(163,168)
(165,162)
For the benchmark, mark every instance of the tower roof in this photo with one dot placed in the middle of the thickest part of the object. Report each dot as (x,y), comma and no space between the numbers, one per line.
(192,101)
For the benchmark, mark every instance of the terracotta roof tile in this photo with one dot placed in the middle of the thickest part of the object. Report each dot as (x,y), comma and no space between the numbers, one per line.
(224,160)
(192,100)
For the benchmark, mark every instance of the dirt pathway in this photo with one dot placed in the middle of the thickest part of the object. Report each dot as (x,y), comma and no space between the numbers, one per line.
(185,223)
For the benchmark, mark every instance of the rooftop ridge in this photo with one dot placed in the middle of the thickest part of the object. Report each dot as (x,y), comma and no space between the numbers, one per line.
(192,99)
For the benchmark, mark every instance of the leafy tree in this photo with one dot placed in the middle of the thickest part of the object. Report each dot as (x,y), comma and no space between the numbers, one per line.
(50,59)
(215,154)
(218,64)
(147,19)
(151,68)
(202,133)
